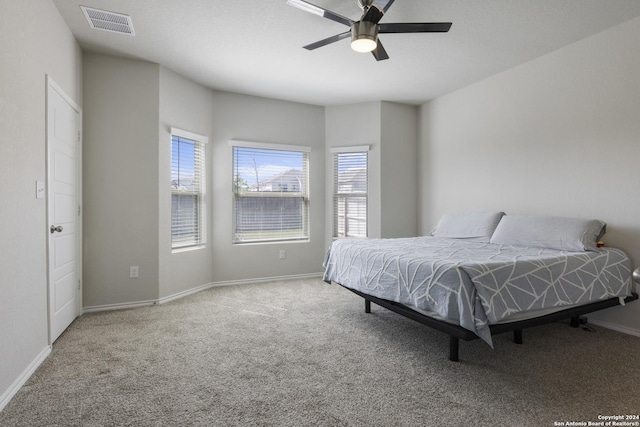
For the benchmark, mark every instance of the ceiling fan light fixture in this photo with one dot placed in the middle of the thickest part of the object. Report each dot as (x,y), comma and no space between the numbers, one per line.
(363,44)
(364,36)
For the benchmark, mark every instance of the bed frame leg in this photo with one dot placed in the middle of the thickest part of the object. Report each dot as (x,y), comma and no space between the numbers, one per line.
(517,336)
(453,348)
(367,306)
(575,322)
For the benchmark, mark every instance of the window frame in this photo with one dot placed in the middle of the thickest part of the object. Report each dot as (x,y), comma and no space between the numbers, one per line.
(337,195)
(303,194)
(200,143)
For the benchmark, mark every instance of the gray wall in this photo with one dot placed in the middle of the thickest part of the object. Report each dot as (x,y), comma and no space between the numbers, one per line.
(391,131)
(357,124)
(399,170)
(188,106)
(257,119)
(120,179)
(34,42)
(130,106)
(556,136)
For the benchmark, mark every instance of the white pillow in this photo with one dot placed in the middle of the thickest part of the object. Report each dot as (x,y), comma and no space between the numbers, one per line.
(476,226)
(565,234)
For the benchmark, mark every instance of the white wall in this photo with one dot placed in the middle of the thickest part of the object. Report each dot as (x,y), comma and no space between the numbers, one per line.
(187,106)
(257,119)
(559,135)
(34,42)
(120,179)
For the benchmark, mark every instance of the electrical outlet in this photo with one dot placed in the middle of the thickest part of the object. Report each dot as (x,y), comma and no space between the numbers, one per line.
(133,271)
(283,254)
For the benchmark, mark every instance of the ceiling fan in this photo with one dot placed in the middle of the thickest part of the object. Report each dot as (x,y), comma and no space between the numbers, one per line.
(364,33)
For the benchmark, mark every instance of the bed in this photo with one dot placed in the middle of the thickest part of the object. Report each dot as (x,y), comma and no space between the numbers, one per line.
(479,274)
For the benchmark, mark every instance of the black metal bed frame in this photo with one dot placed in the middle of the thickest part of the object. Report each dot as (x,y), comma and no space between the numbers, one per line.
(457,333)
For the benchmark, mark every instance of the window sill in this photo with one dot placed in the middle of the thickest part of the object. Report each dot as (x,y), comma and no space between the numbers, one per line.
(270,242)
(187,249)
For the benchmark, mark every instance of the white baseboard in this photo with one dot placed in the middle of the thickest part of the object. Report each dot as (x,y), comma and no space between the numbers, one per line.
(183,294)
(164,300)
(24,376)
(266,279)
(616,327)
(122,306)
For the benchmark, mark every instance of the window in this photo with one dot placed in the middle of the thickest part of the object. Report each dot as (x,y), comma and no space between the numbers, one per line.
(187,189)
(271,192)
(350,191)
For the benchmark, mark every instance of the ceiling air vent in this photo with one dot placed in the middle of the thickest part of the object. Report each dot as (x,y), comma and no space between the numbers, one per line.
(108,21)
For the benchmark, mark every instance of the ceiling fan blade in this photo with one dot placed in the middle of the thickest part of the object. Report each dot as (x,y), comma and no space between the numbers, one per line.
(415,27)
(317,10)
(328,40)
(373,14)
(379,53)
(384,5)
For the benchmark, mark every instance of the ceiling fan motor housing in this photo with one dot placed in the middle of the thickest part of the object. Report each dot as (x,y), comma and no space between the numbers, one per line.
(364,30)
(364,3)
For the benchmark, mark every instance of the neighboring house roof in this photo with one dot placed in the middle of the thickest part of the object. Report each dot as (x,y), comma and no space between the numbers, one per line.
(354,179)
(290,180)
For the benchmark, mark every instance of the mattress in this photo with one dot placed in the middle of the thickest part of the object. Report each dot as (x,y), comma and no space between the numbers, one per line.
(476,284)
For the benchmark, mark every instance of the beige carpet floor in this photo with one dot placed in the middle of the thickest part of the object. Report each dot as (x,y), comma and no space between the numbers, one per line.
(304,353)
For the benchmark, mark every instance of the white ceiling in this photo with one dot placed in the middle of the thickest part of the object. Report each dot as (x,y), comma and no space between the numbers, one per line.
(255,46)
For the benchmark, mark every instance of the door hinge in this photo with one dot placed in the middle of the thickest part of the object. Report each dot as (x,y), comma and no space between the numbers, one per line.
(79,284)
(78,136)
(78,210)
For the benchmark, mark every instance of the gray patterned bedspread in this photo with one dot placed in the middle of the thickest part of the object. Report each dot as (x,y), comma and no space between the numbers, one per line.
(475,284)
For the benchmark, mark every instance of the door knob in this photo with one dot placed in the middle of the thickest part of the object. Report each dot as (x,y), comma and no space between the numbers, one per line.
(54,229)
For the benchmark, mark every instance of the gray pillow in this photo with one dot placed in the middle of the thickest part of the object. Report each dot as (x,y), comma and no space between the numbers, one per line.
(565,234)
(476,226)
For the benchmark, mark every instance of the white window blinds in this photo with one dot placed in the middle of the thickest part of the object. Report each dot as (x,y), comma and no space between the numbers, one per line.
(271,192)
(187,192)
(350,191)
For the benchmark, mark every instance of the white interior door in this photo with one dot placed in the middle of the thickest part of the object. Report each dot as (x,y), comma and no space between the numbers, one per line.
(64,229)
